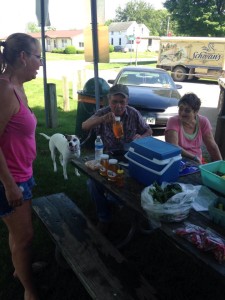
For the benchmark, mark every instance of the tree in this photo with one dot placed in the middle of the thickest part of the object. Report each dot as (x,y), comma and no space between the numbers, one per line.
(143,13)
(198,17)
(32,27)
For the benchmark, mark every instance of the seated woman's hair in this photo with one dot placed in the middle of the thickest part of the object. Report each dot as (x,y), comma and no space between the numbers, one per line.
(190,99)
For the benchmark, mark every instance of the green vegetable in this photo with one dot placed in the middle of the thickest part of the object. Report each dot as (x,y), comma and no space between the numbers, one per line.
(162,195)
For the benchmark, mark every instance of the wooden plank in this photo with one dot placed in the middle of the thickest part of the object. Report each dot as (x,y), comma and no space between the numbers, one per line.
(52,105)
(103,271)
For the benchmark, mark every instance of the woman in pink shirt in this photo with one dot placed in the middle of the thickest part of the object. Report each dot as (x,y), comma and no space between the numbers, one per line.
(189,130)
(20,59)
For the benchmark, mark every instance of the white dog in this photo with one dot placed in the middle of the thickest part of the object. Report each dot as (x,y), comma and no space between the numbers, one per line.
(68,147)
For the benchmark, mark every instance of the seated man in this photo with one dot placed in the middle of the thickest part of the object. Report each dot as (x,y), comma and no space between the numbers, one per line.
(134,127)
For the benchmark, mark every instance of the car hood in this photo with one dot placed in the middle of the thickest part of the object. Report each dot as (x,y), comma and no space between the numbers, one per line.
(148,98)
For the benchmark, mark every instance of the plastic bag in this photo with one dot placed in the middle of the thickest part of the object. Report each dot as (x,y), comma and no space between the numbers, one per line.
(203,239)
(175,209)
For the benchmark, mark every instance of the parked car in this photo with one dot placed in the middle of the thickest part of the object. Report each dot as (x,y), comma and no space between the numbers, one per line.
(152,92)
(120,49)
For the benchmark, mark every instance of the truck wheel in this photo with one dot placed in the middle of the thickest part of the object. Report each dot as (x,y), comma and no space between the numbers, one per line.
(179,74)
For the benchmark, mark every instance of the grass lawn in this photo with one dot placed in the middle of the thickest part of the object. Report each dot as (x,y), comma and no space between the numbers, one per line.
(113,55)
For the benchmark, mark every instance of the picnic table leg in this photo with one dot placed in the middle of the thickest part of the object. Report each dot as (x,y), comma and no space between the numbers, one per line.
(129,236)
(137,226)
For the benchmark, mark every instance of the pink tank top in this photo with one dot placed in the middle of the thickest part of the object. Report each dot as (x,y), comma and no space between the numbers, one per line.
(18,143)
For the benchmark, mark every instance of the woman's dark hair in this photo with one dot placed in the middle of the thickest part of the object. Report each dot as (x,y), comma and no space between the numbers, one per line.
(12,47)
(192,100)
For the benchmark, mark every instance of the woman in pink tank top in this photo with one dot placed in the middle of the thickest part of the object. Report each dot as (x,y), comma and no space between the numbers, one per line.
(189,130)
(20,60)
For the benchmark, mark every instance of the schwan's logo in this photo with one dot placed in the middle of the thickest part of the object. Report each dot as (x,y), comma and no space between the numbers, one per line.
(208,53)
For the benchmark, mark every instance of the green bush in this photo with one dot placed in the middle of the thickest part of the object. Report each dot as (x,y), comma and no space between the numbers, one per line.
(70,50)
(111,48)
(79,51)
(58,50)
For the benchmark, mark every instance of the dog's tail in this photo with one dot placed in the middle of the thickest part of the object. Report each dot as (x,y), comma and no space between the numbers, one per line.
(45,135)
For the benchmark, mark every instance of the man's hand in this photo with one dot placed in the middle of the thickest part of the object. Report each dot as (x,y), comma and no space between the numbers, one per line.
(137,136)
(108,118)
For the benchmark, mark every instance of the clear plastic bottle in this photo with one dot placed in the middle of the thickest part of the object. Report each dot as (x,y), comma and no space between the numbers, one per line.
(98,148)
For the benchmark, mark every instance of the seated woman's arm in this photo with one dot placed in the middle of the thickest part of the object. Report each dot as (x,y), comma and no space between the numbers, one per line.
(171,136)
(211,146)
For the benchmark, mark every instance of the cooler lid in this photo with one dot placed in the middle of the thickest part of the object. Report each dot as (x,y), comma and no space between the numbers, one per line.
(154,148)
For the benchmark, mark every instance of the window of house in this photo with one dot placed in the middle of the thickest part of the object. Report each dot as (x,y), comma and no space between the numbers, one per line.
(81,44)
(48,42)
(55,43)
(64,43)
(112,32)
(120,41)
(111,41)
(149,42)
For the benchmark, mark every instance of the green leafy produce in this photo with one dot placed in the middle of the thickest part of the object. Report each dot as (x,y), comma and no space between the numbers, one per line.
(162,195)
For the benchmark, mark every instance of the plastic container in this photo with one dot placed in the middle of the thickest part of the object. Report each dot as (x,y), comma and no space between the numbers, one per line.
(118,128)
(120,178)
(112,169)
(217,211)
(152,160)
(98,148)
(210,178)
(104,163)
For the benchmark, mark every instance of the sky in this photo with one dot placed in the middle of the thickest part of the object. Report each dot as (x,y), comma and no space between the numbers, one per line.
(64,14)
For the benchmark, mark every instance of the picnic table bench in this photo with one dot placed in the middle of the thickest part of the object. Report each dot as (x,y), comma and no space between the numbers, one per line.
(101,268)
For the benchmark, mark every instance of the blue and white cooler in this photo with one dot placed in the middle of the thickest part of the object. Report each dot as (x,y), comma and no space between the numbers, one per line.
(151,159)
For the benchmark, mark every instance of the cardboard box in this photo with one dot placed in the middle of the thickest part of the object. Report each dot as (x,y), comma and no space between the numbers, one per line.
(152,160)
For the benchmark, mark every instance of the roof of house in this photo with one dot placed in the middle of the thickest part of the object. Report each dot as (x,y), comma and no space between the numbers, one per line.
(57,33)
(121,26)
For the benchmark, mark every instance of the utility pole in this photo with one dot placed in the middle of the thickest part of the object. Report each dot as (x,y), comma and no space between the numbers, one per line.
(168,26)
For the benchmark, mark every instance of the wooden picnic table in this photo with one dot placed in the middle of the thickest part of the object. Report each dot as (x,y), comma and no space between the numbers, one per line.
(130,194)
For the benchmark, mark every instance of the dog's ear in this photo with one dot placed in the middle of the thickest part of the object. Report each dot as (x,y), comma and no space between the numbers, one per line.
(68,137)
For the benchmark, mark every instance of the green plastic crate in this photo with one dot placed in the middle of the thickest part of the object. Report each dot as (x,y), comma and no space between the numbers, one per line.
(218,214)
(210,178)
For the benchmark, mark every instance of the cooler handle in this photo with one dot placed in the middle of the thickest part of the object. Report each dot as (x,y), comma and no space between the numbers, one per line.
(154,160)
(173,159)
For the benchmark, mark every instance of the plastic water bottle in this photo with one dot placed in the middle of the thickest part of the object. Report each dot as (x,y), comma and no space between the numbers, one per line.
(98,148)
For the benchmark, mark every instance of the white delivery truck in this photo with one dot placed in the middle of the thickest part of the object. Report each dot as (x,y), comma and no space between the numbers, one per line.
(192,57)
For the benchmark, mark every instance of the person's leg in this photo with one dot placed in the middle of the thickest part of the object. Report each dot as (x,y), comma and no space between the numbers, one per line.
(20,229)
(97,193)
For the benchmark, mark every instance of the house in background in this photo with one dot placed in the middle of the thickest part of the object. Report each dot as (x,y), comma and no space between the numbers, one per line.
(121,34)
(125,33)
(60,39)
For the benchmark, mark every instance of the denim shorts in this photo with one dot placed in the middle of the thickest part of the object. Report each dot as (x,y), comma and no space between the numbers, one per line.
(26,186)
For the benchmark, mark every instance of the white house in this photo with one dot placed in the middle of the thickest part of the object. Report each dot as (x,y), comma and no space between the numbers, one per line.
(126,34)
(60,39)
